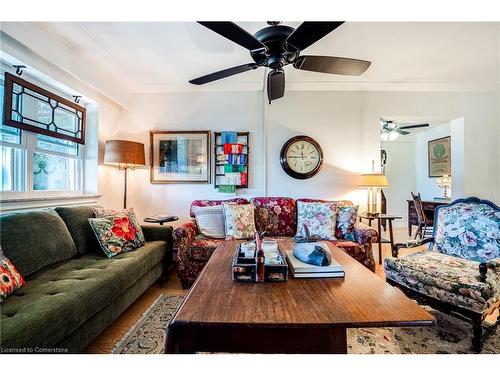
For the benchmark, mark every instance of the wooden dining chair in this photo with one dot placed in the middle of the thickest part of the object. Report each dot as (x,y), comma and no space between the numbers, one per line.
(425,225)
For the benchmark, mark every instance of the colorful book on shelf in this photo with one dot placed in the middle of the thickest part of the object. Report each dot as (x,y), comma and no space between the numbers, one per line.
(244,179)
(228,137)
(233,148)
(232,178)
(227,188)
(228,168)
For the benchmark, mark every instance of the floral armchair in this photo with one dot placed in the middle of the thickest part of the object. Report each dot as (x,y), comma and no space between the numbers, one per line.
(460,274)
(277,216)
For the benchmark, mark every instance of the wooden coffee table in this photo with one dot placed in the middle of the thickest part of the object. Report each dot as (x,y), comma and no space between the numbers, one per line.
(297,316)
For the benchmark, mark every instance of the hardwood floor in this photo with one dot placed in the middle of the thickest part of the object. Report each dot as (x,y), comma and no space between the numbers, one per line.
(107,340)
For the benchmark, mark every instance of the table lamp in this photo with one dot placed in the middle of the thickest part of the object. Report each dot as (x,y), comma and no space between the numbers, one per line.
(372,182)
(125,155)
(444,182)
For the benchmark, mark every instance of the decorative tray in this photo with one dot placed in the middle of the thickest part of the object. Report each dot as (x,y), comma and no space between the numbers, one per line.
(245,269)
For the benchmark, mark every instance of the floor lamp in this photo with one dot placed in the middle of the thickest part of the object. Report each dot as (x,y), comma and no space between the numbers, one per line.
(125,155)
(372,182)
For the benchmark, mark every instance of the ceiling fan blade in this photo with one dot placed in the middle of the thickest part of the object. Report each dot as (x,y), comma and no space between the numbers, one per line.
(223,74)
(309,32)
(402,132)
(332,65)
(233,32)
(275,85)
(413,126)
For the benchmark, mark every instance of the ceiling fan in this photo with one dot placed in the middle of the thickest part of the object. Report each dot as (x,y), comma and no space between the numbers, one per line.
(390,130)
(278,45)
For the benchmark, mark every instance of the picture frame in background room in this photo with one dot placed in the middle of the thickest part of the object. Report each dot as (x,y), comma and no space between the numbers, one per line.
(180,157)
(439,157)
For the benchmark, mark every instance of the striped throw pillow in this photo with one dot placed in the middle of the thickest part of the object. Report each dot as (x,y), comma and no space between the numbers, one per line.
(210,221)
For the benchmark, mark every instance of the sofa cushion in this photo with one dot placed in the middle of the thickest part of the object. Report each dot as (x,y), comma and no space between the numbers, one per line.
(10,278)
(445,277)
(58,299)
(239,220)
(75,219)
(318,218)
(210,221)
(342,203)
(205,203)
(346,218)
(116,234)
(33,240)
(275,215)
(100,212)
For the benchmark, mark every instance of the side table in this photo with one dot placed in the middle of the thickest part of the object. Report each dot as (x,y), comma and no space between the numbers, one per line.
(160,219)
(379,218)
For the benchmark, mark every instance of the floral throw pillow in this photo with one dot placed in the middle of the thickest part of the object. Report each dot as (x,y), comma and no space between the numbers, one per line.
(319,218)
(240,221)
(116,234)
(10,278)
(103,212)
(346,218)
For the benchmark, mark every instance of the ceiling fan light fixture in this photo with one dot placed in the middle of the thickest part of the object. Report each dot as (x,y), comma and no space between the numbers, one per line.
(384,136)
(393,135)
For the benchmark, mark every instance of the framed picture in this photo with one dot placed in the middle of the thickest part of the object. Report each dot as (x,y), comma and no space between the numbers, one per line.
(439,156)
(180,157)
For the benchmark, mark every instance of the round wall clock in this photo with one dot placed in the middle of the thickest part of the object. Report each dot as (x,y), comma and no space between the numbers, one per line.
(301,157)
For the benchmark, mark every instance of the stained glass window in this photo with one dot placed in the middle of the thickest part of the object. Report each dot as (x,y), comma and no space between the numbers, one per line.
(30,107)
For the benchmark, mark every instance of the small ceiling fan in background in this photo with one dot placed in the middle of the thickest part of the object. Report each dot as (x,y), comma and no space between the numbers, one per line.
(278,45)
(390,130)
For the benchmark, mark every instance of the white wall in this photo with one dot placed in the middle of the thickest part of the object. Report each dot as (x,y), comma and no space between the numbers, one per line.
(346,124)
(182,111)
(401,174)
(334,120)
(424,184)
(481,127)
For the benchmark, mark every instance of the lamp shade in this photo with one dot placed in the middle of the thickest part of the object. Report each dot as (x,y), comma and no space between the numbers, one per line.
(124,153)
(377,180)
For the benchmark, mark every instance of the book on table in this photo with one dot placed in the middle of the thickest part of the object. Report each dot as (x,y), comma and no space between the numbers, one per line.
(301,269)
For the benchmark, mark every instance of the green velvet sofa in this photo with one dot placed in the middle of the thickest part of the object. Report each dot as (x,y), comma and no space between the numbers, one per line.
(73,291)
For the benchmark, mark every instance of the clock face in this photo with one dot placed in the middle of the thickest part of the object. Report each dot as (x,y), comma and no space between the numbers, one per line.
(301,157)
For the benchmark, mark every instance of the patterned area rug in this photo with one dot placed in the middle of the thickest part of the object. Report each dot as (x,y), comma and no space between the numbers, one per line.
(448,335)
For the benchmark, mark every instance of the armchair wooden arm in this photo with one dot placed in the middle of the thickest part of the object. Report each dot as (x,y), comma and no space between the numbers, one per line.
(409,244)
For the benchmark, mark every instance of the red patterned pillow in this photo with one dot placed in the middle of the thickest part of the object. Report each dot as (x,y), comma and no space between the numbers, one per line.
(275,215)
(100,212)
(10,278)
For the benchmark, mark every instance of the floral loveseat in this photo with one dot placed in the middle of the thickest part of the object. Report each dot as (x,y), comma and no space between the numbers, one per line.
(275,215)
(461,273)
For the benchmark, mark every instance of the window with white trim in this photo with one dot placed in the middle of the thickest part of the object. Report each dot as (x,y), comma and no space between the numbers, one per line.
(37,165)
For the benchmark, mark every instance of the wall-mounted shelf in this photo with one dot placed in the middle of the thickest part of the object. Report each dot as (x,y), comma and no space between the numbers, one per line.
(220,175)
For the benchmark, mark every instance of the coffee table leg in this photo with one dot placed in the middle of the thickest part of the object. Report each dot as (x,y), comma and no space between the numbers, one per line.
(338,341)
(172,345)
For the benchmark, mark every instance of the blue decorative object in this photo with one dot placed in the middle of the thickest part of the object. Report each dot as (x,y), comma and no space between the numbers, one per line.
(229,137)
(314,253)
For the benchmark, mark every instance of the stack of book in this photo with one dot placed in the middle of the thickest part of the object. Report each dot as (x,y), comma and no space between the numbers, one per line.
(300,269)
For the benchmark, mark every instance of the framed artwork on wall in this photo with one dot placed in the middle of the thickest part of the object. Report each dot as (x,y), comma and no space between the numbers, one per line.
(180,157)
(439,157)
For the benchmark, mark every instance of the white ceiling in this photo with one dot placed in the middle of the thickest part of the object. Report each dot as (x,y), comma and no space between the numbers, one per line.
(152,57)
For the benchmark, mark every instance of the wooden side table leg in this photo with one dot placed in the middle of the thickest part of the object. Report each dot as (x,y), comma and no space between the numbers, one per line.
(391,235)
(379,229)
